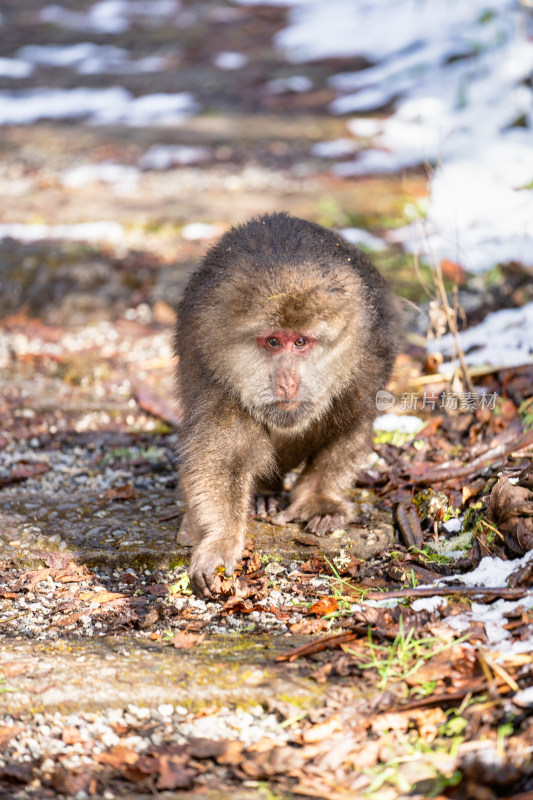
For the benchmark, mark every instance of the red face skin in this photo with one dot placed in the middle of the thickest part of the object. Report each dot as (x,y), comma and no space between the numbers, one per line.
(286,347)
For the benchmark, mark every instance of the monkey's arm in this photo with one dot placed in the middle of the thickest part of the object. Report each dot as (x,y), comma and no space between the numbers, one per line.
(317,496)
(223,450)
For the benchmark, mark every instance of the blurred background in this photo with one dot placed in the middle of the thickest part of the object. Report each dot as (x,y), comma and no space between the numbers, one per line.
(134,132)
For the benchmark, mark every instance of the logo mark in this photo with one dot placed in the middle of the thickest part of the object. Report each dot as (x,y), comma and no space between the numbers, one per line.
(384,400)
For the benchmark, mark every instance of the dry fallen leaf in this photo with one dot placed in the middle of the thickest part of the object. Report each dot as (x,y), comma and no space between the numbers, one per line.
(427,721)
(29,580)
(184,640)
(326,605)
(7,732)
(100,597)
(13,668)
(121,493)
(73,783)
(323,730)
(511,509)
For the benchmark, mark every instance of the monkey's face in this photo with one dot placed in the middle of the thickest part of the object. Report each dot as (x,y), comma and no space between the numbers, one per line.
(285,378)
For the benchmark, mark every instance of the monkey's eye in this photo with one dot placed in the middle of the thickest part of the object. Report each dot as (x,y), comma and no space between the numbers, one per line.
(300,342)
(273,342)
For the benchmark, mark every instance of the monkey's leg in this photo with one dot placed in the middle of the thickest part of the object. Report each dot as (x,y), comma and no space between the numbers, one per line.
(317,496)
(217,477)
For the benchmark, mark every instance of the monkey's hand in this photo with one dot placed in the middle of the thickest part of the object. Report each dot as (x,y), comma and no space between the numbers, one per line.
(207,557)
(321,513)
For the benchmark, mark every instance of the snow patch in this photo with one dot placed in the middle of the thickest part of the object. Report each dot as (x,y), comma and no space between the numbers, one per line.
(84,231)
(504,338)
(99,106)
(402,423)
(358,236)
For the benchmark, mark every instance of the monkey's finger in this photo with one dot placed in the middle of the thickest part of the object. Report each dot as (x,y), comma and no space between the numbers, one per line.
(261,510)
(282,518)
(321,525)
(328,523)
(229,566)
(312,524)
(201,583)
(272,506)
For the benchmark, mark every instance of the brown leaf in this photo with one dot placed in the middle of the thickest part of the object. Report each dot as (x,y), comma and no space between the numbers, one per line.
(118,757)
(71,735)
(326,605)
(74,573)
(7,732)
(427,721)
(61,561)
(16,773)
(13,668)
(511,509)
(126,492)
(184,640)
(100,597)
(30,579)
(24,471)
(174,774)
(254,563)
(323,730)
(249,586)
(279,613)
(237,606)
(232,753)
(69,619)
(207,748)
(157,589)
(70,783)
(308,626)
(149,619)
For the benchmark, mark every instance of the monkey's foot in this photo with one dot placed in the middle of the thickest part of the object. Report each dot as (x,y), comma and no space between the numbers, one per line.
(206,558)
(267,505)
(321,515)
(321,526)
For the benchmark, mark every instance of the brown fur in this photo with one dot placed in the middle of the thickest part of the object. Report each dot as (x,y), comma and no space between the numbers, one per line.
(277,273)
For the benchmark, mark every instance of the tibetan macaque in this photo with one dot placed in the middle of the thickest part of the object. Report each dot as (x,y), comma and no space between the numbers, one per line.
(285,334)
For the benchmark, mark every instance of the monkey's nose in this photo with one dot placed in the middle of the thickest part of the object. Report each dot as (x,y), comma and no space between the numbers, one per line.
(287,388)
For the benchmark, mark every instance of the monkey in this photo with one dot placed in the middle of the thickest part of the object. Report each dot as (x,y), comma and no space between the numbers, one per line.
(284,335)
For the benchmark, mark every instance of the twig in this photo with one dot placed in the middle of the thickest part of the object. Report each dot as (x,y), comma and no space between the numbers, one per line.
(469,591)
(474,372)
(326,643)
(446,473)
(476,687)
(169,516)
(451,318)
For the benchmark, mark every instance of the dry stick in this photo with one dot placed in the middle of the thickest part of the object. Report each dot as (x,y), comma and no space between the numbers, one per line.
(474,372)
(169,516)
(326,643)
(451,314)
(477,687)
(469,591)
(479,463)
(451,317)
(336,640)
